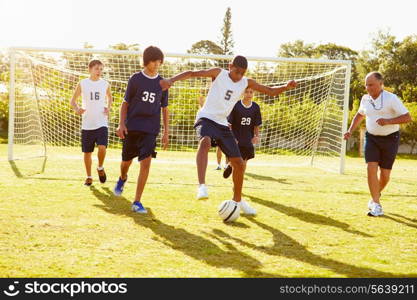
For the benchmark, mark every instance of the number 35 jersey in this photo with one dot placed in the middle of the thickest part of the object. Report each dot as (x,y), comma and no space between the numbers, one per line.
(93,101)
(145,98)
(222,97)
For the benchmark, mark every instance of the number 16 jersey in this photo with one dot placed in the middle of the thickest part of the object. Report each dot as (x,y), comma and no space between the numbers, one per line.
(93,101)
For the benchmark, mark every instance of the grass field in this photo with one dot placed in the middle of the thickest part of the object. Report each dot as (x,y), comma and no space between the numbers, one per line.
(311,223)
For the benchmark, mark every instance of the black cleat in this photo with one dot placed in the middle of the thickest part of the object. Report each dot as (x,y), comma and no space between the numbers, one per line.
(102,175)
(227,171)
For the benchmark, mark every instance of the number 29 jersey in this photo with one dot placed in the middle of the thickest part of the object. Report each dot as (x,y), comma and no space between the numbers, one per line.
(221,98)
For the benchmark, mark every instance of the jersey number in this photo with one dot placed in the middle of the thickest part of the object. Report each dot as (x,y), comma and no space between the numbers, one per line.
(95,96)
(228,95)
(245,121)
(148,97)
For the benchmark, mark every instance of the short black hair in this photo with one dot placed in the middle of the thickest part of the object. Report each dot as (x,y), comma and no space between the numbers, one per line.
(94,62)
(240,61)
(377,75)
(152,53)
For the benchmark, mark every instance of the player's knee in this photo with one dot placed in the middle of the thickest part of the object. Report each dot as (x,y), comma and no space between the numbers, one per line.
(237,164)
(205,143)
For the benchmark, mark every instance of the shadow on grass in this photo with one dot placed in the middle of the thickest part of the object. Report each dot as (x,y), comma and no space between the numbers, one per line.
(180,239)
(399,221)
(267,178)
(20,174)
(408,219)
(286,246)
(307,216)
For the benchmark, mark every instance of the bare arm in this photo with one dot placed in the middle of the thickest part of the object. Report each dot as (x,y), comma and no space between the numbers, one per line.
(271,91)
(121,130)
(73,102)
(165,120)
(255,139)
(405,118)
(109,101)
(355,123)
(167,83)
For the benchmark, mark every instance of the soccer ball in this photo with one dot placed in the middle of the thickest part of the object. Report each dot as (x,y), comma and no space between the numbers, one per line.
(229,210)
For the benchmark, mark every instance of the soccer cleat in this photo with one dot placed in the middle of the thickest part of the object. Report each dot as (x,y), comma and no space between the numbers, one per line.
(88,181)
(102,175)
(202,192)
(138,207)
(246,208)
(376,210)
(227,171)
(118,189)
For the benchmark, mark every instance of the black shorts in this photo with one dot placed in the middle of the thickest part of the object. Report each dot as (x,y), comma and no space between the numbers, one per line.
(382,149)
(89,138)
(140,144)
(221,135)
(247,152)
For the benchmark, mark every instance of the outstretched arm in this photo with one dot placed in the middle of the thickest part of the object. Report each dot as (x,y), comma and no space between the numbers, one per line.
(275,91)
(167,83)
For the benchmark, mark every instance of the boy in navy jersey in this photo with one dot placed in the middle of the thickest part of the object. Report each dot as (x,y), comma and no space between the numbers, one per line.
(140,122)
(244,121)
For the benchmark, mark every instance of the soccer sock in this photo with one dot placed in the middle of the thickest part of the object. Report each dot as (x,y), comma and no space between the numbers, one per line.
(91,177)
(100,168)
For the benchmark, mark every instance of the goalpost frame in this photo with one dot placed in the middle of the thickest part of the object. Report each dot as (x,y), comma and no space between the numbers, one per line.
(345,118)
(11,103)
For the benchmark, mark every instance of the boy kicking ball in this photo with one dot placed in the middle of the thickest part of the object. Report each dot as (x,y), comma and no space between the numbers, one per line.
(211,120)
(244,121)
(140,122)
(94,110)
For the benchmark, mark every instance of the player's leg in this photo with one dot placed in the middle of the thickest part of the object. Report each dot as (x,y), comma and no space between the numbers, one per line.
(384,177)
(202,161)
(147,145)
(219,158)
(238,169)
(87,145)
(129,151)
(102,141)
(372,158)
(389,149)
(247,153)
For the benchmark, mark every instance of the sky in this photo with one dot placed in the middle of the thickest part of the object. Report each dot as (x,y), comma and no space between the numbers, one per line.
(259,27)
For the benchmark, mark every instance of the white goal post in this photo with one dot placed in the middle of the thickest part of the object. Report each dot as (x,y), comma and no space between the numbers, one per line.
(302,126)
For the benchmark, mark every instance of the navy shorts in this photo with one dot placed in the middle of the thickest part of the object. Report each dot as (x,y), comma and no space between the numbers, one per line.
(140,144)
(382,149)
(221,135)
(89,138)
(247,152)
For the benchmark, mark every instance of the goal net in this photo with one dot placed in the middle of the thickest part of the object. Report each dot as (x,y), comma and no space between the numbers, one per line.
(301,126)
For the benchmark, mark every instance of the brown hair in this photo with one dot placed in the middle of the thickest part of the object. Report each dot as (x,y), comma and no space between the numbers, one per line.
(94,62)
(152,53)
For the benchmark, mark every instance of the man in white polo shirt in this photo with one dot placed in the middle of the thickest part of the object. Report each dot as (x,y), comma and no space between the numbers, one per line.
(384,112)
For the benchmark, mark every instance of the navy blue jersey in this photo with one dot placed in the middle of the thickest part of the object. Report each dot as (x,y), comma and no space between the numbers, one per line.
(145,98)
(243,120)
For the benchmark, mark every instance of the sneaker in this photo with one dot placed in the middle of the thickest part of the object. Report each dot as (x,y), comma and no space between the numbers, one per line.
(88,181)
(202,192)
(118,189)
(227,171)
(102,175)
(376,210)
(218,168)
(370,204)
(138,207)
(246,208)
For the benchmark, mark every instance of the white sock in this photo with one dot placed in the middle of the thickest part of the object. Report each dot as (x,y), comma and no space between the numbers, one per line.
(202,185)
(91,177)
(100,168)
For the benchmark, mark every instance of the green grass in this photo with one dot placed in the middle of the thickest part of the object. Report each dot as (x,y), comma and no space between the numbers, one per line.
(311,223)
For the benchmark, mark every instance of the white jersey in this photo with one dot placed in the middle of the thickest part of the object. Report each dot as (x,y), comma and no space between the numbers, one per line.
(386,106)
(93,101)
(221,98)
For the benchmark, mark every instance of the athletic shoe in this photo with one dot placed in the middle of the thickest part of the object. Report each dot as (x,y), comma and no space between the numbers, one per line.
(227,171)
(88,181)
(102,175)
(370,204)
(118,189)
(376,210)
(247,210)
(202,192)
(218,168)
(138,207)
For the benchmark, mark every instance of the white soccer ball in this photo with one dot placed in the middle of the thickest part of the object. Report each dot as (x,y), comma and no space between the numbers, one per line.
(229,210)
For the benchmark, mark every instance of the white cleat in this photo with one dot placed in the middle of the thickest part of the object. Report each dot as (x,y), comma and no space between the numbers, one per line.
(202,192)
(246,208)
(376,210)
